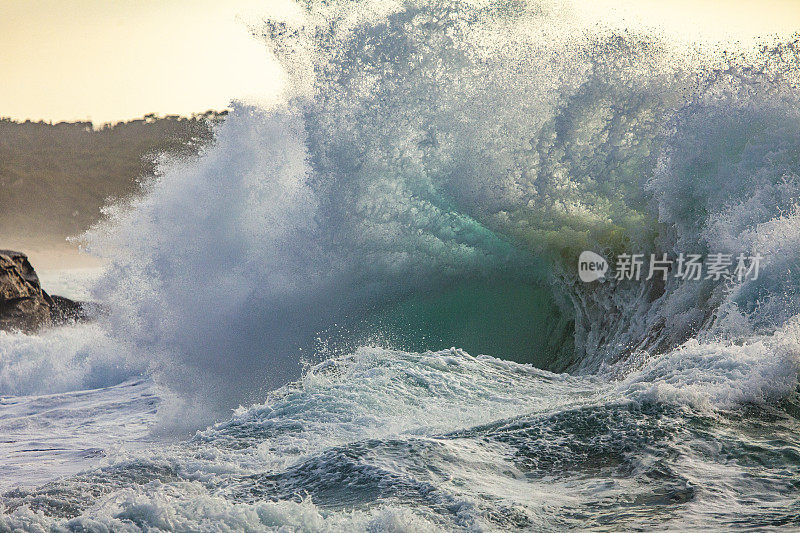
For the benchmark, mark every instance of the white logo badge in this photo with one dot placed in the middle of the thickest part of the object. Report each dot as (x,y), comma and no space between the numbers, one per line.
(591,266)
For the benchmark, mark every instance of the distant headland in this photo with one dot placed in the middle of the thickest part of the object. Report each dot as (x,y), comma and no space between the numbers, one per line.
(55,177)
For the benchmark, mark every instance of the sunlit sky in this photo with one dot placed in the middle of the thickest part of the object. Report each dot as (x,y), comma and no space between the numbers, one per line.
(106,60)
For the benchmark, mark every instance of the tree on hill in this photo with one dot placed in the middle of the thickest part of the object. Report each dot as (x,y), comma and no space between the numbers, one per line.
(55,178)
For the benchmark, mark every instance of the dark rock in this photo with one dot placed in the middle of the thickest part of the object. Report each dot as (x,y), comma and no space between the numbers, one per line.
(25,314)
(64,311)
(24,306)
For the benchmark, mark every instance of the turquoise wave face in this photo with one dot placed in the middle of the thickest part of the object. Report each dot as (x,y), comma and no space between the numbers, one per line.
(511,319)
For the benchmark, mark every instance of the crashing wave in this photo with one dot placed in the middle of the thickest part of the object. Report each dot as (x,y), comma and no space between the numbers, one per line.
(429,180)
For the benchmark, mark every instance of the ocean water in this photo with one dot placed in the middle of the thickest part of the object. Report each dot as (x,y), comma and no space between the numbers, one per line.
(359,308)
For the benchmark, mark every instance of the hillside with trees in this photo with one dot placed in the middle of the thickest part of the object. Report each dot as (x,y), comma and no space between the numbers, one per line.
(54,178)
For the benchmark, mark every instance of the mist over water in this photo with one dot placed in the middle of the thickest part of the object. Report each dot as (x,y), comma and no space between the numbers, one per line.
(428,181)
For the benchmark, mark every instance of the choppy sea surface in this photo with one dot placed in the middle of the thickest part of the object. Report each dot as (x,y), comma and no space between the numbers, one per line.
(391,440)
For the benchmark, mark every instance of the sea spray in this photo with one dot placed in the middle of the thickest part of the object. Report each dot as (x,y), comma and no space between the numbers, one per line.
(426,151)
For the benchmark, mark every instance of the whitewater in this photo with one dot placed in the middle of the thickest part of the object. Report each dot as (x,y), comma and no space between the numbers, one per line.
(359,308)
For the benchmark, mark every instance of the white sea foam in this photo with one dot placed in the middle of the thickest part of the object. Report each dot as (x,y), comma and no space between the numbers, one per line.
(722,374)
(162,508)
(65,359)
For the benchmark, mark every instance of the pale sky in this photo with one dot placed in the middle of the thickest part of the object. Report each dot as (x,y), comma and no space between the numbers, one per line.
(107,60)
(702,21)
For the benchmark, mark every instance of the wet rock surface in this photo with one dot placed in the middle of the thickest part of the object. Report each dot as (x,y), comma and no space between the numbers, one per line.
(24,306)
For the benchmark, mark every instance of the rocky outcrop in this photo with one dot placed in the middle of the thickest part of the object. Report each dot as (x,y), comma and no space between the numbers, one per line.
(24,306)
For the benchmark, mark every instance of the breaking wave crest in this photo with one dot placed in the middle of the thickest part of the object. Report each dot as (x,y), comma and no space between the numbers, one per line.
(430,176)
